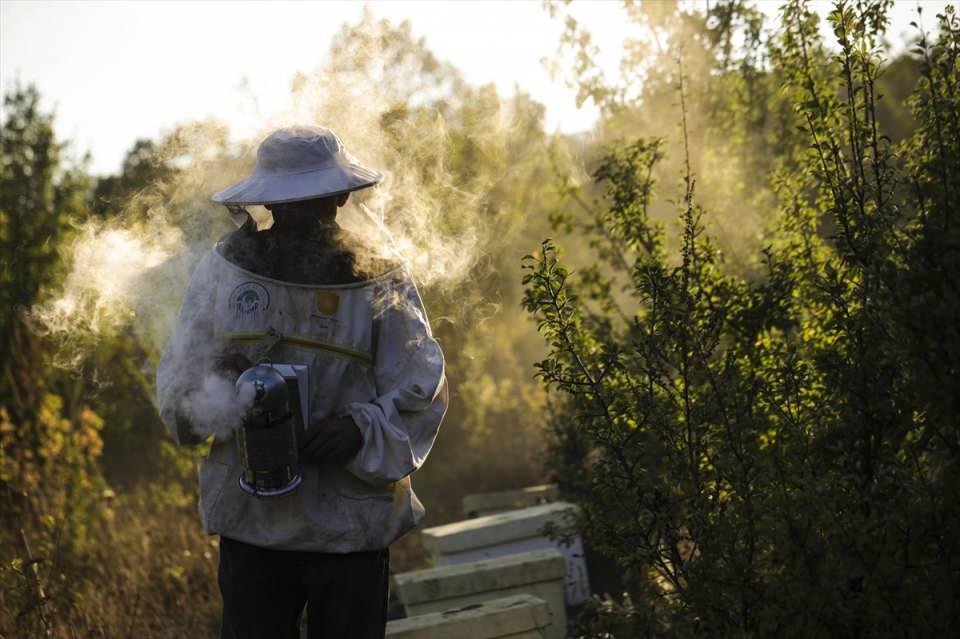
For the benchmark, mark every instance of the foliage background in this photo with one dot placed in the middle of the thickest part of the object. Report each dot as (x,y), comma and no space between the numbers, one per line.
(749,305)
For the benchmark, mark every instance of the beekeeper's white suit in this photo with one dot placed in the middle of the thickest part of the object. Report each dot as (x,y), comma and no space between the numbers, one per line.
(370,354)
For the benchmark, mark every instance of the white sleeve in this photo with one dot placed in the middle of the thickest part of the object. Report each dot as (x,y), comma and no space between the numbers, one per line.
(188,356)
(401,424)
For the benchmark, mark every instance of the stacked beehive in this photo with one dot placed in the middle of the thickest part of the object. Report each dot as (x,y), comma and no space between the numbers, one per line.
(509,572)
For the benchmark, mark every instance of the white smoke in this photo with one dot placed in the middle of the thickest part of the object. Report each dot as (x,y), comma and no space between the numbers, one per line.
(129,274)
(216,407)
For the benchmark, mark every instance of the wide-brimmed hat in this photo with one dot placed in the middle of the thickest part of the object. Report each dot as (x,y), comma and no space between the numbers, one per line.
(299,163)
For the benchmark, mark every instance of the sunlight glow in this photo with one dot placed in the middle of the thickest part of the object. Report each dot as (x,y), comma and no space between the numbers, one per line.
(136,69)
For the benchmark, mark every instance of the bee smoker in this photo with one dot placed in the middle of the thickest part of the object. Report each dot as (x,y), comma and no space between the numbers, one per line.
(268,437)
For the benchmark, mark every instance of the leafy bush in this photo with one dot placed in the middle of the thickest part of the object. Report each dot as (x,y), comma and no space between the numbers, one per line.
(777,455)
(76,557)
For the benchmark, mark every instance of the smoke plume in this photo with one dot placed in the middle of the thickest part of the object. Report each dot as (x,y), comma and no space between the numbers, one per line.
(128,272)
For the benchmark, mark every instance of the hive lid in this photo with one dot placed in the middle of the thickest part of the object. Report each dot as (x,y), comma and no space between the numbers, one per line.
(491,619)
(487,575)
(485,503)
(497,529)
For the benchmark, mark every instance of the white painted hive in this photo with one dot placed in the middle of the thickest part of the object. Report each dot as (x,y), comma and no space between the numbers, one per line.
(513,532)
(518,617)
(539,573)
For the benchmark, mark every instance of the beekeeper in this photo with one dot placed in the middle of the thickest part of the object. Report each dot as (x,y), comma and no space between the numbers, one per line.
(297,293)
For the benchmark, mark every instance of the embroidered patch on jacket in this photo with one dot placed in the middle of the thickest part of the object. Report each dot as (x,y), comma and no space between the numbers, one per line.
(249,298)
(327,302)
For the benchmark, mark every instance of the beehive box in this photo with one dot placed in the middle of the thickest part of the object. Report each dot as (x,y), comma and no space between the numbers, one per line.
(539,573)
(509,533)
(518,617)
(483,504)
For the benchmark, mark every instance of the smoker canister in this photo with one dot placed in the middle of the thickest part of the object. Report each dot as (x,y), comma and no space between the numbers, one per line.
(267,438)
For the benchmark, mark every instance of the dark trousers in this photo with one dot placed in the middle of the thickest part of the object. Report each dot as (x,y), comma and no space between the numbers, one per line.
(264,592)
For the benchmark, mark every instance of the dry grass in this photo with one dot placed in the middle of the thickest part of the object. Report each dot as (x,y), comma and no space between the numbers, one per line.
(145,569)
(142,568)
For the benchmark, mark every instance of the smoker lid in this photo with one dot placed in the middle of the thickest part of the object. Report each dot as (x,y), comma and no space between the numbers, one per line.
(266,387)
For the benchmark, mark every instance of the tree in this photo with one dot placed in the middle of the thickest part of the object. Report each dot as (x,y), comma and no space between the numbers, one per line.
(470,183)
(39,195)
(775,455)
(143,167)
(49,438)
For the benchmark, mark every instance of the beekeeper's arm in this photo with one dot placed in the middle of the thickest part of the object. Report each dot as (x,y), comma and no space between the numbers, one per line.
(188,356)
(400,425)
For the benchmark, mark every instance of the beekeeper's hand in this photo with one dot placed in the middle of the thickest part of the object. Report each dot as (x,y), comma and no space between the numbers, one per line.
(334,440)
(231,365)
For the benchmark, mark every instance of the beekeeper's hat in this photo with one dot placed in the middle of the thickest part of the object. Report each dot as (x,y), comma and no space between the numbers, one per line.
(299,163)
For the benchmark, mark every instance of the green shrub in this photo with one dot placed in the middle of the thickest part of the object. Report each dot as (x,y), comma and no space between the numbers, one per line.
(778,455)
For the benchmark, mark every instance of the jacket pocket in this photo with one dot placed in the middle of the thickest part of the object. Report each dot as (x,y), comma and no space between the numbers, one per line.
(350,487)
(213,477)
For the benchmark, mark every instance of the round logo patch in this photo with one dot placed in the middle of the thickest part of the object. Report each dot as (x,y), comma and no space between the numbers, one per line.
(327,302)
(249,298)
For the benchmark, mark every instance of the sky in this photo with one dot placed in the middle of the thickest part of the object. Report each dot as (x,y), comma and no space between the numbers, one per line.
(115,71)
